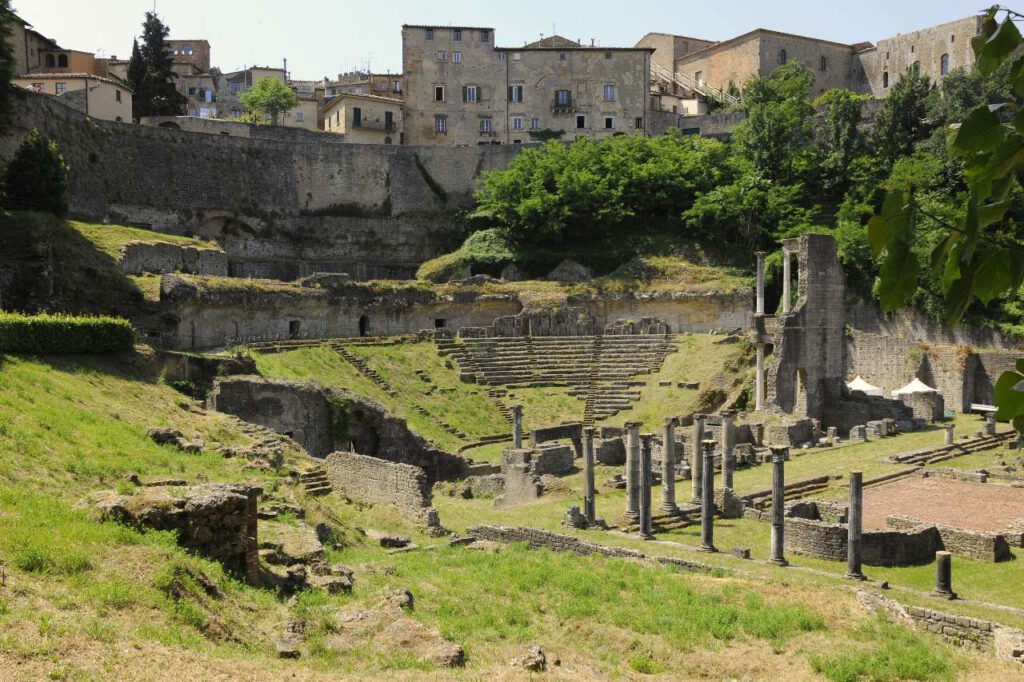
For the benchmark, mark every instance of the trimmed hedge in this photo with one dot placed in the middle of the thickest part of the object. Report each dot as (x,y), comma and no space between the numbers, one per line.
(59,334)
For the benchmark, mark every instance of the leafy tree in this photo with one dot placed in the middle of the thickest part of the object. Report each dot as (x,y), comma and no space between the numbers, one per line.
(37,177)
(838,139)
(902,122)
(7,74)
(779,123)
(150,75)
(980,252)
(269,98)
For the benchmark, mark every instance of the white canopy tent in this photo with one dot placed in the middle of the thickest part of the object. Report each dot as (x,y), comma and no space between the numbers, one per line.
(859,384)
(915,386)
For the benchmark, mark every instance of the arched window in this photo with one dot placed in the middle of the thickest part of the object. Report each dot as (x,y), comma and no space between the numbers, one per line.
(782,56)
(885,79)
(823,66)
(944,64)
(51,61)
(915,68)
(62,61)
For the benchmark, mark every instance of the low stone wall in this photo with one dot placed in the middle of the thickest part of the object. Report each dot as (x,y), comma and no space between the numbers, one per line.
(159,258)
(555,459)
(955,474)
(611,451)
(370,479)
(816,539)
(968,543)
(542,539)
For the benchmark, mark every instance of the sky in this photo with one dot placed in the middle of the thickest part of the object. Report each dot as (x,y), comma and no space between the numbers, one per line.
(323,38)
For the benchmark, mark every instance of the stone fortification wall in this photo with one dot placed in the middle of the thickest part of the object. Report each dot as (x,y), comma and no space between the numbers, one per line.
(139,257)
(325,420)
(276,199)
(371,479)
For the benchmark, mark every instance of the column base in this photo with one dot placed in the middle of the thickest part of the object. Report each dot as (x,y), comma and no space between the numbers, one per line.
(631,517)
(945,595)
(645,536)
(855,576)
(710,549)
(778,562)
(669,507)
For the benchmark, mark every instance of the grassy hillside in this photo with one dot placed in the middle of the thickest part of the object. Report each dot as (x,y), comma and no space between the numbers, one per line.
(111,238)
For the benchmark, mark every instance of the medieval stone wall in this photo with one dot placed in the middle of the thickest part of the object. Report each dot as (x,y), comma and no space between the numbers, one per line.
(371,479)
(139,257)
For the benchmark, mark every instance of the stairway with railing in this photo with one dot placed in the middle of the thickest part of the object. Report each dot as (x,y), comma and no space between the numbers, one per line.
(692,85)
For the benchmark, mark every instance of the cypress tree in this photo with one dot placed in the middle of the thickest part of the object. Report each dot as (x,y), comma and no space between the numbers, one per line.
(150,74)
(7,88)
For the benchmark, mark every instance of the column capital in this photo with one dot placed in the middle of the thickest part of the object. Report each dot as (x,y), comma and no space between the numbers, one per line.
(517,409)
(589,431)
(779,452)
(671,421)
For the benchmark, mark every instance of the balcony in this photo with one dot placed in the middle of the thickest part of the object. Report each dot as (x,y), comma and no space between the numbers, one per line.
(562,105)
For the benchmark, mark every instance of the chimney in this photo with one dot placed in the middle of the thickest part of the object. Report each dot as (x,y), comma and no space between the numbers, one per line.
(591,42)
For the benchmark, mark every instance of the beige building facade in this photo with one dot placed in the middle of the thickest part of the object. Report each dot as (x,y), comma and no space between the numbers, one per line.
(101,98)
(463,90)
(364,119)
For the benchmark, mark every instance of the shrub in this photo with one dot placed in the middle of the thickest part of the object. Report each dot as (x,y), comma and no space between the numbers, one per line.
(486,251)
(58,334)
(37,177)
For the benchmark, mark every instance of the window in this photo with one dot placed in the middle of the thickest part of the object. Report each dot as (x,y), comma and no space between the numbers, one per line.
(609,122)
(37,88)
(485,36)
(516,56)
(639,122)
(471,94)
(782,56)
(117,95)
(515,93)
(916,68)
(823,65)
(440,125)
(430,34)
(581,121)
(389,120)
(438,93)
(441,55)
(456,57)
(51,61)
(562,56)
(609,92)
(563,98)
(534,124)
(944,64)
(886,55)
(502,56)
(192,91)
(187,49)
(457,34)
(485,126)
(236,88)
(952,38)
(911,49)
(62,61)
(608,54)
(396,86)
(61,88)
(357,117)
(699,77)
(337,117)
(300,117)
(517,123)
(885,79)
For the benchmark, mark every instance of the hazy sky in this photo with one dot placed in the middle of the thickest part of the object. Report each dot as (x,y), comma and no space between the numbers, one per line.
(321,38)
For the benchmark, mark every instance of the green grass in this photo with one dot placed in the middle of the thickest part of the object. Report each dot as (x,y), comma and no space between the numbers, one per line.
(894,654)
(111,238)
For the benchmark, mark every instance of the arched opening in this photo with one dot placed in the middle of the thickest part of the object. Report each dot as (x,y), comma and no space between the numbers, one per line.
(944,64)
(294,329)
(885,79)
(915,68)
(170,125)
(51,61)
(364,325)
(782,56)
(387,140)
(823,66)
(62,61)
(119,119)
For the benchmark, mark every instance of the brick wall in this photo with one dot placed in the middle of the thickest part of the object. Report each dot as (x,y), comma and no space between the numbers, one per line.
(370,479)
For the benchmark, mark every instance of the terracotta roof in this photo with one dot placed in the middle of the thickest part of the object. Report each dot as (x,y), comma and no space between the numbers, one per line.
(349,95)
(554,41)
(71,76)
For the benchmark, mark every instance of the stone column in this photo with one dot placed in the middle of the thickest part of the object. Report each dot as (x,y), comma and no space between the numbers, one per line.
(645,486)
(632,471)
(990,423)
(728,464)
(944,575)
(786,297)
(697,466)
(760,283)
(855,515)
(517,427)
(830,435)
(949,439)
(779,455)
(707,502)
(759,379)
(668,466)
(589,503)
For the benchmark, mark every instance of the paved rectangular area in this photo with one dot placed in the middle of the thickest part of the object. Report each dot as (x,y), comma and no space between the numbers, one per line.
(961,504)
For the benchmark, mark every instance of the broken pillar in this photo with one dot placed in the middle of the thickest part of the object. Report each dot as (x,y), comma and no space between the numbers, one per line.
(990,423)
(779,455)
(944,575)
(760,283)
(589,503)
(697,466)
(831,433)
(759,379)
(707,502)
(859,432)
(517,427)
(854,523)
(728,463)
(786,284)
(668,465)
(632,471)
(949,439)
(646,478)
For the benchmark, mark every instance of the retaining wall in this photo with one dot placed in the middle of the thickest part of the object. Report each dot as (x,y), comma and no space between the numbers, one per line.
(371,479)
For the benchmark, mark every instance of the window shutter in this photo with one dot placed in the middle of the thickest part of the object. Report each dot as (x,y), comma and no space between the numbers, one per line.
(510,93)
(464,95)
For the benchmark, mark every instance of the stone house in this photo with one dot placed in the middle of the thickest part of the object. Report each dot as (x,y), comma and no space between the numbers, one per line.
(364,119)
(29,46)
(95,96)
(229,86)
(462,90)
(358,83)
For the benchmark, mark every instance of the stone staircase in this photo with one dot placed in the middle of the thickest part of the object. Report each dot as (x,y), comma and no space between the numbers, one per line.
(315,481)
(596,369)
(364,369)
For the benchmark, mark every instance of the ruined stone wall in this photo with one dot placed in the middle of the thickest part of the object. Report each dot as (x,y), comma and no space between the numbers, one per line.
(371,479)
(684,313)
(968,543)
(139,257)
(542,539)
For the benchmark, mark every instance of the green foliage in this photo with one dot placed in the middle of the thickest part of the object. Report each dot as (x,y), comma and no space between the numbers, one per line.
(7,61)
(902,122)
(150,75)
(838,139)
(892,653)
(486,252)
(59,334)
(37,176)
(268,98)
